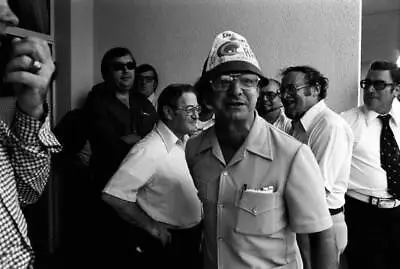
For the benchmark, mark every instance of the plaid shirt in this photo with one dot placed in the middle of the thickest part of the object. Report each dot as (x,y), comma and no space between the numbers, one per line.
(25,148)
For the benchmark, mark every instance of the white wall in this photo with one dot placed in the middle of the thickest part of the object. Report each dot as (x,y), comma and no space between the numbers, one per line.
(81,50)
(380,31)
(176,35)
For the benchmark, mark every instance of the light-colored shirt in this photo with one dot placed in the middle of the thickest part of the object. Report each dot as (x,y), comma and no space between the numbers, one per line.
(155,175)
(153,99)
(331,140)
(367,176)
(282,122)
(271,189)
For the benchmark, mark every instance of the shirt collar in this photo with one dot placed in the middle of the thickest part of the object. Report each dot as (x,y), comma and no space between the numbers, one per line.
(167,136)
(371,115)
(258,141)
(311,114)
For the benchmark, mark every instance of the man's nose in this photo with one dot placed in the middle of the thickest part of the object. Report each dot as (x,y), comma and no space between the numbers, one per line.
(8,17)
(234,87)
(196,115)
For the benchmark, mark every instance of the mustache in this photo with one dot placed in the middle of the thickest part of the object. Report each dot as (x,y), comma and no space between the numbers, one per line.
(273,109)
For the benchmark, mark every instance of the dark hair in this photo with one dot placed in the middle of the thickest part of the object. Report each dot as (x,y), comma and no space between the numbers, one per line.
(385,65)
(265,82)
(170,95)
(110,55)
(313,77)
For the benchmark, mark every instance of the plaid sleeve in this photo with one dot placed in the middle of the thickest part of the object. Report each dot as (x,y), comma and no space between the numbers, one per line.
(30,146)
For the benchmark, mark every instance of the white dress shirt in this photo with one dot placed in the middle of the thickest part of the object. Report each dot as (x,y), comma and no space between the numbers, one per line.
(331,140)
(156,176)
(367,176)
(282,122)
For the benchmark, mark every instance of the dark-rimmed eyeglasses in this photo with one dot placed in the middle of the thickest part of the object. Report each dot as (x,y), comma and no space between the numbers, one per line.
(246,81)
(121,66)
(378,85)
(291,89)
(146,79)
(190,110)
(270,95)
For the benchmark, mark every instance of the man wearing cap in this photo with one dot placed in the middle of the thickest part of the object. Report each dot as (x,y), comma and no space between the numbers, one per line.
(259,186)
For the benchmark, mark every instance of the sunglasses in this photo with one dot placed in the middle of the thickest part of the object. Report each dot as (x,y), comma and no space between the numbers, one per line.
(123,66)
(378,85)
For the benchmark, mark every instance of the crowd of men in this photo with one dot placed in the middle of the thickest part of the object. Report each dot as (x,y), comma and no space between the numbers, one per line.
(236,171)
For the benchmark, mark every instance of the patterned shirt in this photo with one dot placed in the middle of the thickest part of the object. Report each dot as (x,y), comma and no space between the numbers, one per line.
(25,148)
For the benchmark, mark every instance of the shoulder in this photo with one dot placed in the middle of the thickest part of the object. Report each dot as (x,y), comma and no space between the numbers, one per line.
(353,115)
(330,121)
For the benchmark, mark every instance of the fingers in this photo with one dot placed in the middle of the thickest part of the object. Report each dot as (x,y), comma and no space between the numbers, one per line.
(161,233)
(30,69)
(36,48)
(20,68)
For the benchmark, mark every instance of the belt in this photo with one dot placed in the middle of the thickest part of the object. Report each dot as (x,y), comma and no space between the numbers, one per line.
(375,201)
(335,211)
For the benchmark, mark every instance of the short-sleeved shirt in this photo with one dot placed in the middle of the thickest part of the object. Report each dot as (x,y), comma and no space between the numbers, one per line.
(331,140)
(271,189)
(155,175)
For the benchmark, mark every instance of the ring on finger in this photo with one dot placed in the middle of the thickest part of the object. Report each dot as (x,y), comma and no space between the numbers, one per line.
(35,66)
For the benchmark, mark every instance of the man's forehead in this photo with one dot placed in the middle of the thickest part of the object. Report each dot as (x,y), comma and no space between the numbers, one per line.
(187,98)
(271,87)
(121,59)
(379,75)
(294,78)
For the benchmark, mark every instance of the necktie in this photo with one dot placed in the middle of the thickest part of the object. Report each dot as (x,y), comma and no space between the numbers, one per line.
(390,157)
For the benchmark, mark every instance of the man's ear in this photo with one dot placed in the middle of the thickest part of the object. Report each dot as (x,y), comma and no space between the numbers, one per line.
(316,90)
(396,90)
(168,112)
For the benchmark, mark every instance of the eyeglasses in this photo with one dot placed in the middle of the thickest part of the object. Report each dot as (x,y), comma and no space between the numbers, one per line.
(378,85)
(146,79)
(291,89)
(190,109)
(121,66)
(246,82)
(270,95)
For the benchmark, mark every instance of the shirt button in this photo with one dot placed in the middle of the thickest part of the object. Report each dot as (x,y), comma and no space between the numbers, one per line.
(225,173)
(220,238)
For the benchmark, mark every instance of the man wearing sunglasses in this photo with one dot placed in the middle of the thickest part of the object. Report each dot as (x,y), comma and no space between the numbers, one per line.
(258,185)
(153,190)
(373,197)
(330,138)
(118,117)
(269,105)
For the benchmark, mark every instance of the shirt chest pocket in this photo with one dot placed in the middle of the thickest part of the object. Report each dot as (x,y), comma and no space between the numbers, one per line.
(259,213)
